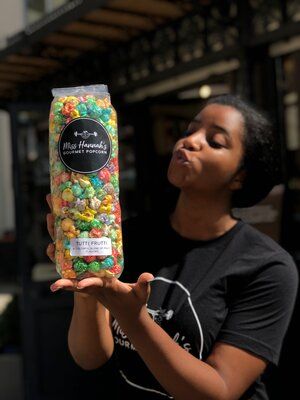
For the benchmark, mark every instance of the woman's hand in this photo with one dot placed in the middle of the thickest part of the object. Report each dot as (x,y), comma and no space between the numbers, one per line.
(122,299)
(50,227)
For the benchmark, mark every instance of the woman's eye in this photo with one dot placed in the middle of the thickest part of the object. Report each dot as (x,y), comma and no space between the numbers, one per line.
(216,145)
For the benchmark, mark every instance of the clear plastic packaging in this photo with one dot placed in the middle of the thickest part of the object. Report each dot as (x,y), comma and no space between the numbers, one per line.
(84,178)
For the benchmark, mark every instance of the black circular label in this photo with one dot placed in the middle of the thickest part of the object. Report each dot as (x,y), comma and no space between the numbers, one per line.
(84,145)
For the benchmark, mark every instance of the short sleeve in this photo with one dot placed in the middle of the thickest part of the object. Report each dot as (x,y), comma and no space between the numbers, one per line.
(259,315)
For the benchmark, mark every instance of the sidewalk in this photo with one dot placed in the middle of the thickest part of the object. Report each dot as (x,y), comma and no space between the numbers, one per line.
(11,379)
(11,376)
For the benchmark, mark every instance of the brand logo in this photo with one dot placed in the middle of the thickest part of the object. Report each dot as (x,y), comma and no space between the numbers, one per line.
(84,146)
(160,314)
(85,134)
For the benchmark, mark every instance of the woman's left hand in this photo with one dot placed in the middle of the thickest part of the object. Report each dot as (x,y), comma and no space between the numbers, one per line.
(120,298)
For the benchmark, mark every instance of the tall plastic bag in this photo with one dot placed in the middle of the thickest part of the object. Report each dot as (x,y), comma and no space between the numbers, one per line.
(84,180)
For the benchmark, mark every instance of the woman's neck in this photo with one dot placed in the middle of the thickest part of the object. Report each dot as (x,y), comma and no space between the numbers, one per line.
(200,218)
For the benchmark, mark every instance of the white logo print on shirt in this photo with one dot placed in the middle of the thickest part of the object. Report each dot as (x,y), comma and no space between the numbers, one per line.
(160,314)
(179,337)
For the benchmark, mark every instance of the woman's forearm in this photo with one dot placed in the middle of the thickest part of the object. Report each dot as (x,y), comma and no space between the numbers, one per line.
(90,339)
(180,373)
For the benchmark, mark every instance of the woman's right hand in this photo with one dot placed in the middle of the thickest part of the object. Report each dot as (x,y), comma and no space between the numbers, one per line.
(67,284)
(50,227)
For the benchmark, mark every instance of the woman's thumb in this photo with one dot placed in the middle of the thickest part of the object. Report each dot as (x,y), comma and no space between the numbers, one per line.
(142,287)
(145,277)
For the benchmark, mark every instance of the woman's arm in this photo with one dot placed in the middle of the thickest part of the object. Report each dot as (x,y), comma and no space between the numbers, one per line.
(90,338)
(226,374)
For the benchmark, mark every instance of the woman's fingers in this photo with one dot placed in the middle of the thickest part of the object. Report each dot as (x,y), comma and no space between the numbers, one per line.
(88,282)
(49,201)
(69,285)
(64,284)
(50,218)
(98,287)
(51,252)
(50,225)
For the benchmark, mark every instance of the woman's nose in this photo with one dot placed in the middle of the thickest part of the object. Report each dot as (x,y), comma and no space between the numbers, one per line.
(193,142)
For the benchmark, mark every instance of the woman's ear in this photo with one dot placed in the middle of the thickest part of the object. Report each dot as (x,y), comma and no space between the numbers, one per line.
(238,180)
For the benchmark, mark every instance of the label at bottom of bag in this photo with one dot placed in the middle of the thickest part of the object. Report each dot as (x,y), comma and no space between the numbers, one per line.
(91,246)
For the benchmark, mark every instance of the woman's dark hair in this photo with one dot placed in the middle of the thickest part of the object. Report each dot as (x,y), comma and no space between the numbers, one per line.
(261,161)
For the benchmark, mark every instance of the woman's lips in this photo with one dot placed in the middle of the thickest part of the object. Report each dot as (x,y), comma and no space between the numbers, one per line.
(182,157)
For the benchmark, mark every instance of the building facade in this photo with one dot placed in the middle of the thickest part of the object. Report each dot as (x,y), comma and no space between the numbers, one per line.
(160,59)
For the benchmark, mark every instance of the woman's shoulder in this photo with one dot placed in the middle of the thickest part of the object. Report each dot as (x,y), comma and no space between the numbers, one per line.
(255,240)
(260,264)
(263,247)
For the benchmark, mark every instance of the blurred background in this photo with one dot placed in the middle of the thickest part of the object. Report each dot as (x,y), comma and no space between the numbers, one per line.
(160,60)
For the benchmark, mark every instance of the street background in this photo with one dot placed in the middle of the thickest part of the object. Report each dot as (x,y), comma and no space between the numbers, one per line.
(160,60)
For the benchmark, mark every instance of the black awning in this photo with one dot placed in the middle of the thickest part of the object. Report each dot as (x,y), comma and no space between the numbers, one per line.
(78,27)
(131,43)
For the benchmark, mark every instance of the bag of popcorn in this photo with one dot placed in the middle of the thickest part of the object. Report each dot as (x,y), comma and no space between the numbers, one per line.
(84,180)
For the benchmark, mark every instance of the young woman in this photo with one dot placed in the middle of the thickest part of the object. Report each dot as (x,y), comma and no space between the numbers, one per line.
(210,314)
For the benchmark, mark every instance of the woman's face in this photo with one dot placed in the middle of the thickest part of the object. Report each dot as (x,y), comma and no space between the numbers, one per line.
(208,157)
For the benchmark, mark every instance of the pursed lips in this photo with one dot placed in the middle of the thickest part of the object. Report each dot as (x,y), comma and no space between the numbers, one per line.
(181,155)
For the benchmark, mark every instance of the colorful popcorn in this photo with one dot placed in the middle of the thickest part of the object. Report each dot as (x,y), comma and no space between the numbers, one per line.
(84,173)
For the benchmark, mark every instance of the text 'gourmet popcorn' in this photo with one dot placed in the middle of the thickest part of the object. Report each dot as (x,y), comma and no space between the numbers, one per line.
(84,176)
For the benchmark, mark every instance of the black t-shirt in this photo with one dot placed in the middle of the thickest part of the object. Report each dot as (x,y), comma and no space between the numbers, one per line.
(239,288)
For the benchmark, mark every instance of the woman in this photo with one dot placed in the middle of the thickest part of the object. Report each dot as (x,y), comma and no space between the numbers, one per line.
(222,293)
